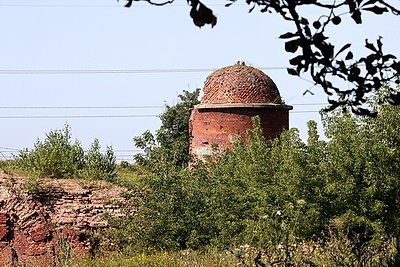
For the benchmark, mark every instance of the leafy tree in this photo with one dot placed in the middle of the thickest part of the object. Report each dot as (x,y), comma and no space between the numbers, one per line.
(170,144)
(314,54)
(361,176)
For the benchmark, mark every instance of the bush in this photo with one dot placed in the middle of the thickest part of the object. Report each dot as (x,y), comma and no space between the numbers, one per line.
(58,157)
(55,157)
(100,166)
(32,186)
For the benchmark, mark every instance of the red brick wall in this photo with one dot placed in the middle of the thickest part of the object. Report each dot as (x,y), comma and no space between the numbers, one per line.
(221,125)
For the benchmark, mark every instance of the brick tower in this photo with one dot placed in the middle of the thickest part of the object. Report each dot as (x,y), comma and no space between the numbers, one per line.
(232,96)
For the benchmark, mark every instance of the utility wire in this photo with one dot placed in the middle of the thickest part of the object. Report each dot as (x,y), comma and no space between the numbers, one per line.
(112,6)
(99,71)
(13,149)
(309,104)
(107,116)
(81,107)
(114,71)
(118,151)
(120,107)
(78,116)
(5,157)
(304,111)
(115,154)
(61,5)
(121,5)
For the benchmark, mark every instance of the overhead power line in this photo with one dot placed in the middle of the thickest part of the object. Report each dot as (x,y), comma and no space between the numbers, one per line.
(309,104)
(81,107)
(99,71)
(304,111)
(121,107)
(121,5)
(11,150)
(104,116)
(115,71)
(78,116)
(8,149)
(55,5)
(104,6)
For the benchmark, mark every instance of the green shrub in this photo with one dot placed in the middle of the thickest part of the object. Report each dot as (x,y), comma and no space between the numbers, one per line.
(58,157)
(6,166)
(100,166)
(124,164)
(55,157)
(32,186)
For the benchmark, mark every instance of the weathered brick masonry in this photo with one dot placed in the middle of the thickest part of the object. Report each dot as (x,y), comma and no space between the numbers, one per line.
(222,124)
(38,228)
(239,84)
(232,96)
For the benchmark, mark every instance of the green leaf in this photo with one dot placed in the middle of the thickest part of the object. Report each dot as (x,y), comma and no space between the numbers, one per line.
(292,46)
(129,4)
(396,66)
(377,10)
(304,21)
(356,16)
(296,60)
(292,72)
(288,35)
(370,46)
(349,56)
(346,46)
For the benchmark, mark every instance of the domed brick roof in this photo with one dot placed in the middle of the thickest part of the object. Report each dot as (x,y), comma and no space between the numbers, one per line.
(239,84)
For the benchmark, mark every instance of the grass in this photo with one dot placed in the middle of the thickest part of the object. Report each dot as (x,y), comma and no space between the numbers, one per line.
(319,255)
(126,174)
(185,258)
(129,174)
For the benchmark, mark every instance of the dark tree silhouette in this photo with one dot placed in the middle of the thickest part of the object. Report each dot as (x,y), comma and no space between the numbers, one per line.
(314,54)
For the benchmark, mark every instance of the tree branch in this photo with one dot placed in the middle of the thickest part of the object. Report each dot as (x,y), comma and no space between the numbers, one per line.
(129,4)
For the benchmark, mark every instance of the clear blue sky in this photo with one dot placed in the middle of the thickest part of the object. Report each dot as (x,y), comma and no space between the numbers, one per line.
(149,42)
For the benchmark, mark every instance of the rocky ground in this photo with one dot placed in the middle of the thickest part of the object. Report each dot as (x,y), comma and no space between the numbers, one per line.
(40,225)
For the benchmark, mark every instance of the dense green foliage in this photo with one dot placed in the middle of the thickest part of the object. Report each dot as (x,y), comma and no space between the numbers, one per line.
(171,142)
(275,195)
(58,157)
(98,165)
